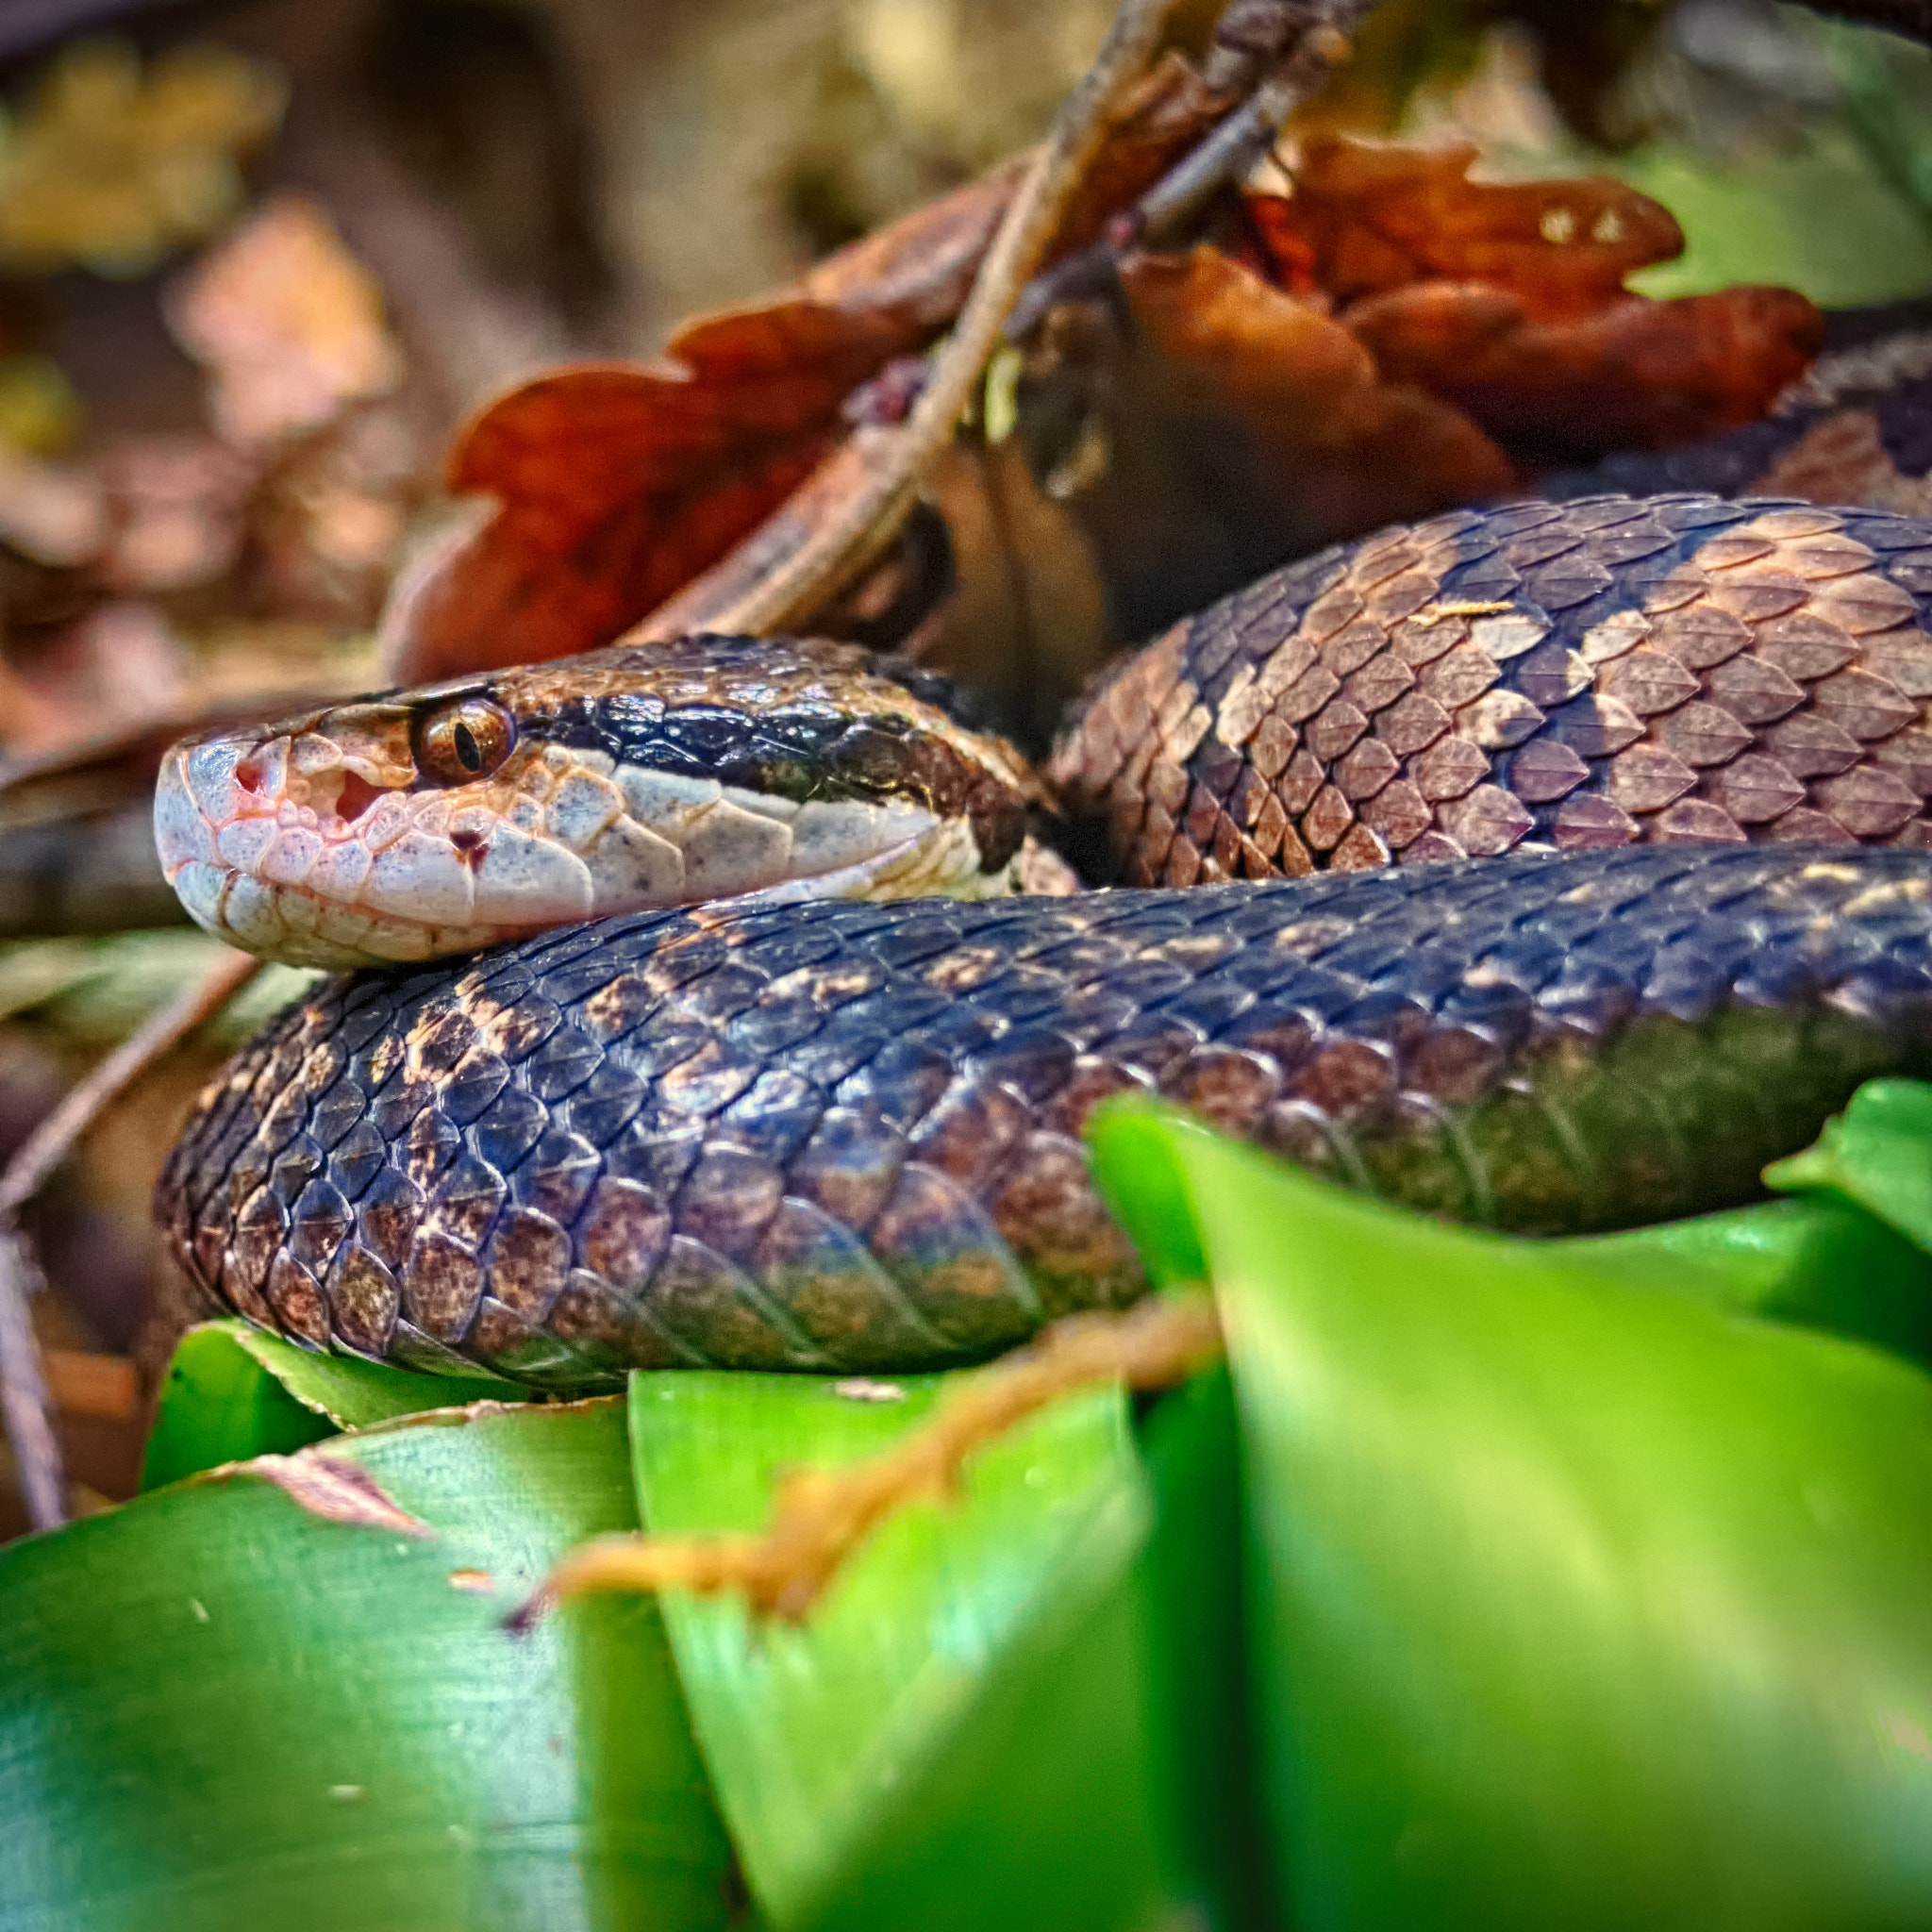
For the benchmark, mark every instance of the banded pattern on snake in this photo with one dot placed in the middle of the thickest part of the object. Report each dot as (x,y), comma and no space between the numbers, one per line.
(834,1135)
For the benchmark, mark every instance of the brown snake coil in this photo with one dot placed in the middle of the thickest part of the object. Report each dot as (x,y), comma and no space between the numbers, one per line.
(835,1135)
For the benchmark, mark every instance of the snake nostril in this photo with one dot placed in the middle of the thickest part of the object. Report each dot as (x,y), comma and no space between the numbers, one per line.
(248,774)
(357,795)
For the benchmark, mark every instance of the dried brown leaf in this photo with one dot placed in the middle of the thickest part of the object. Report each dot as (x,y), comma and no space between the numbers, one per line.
(1238,425)
(620,485)
(1632,374)
(288,324)
(1026,624)
(1366,218)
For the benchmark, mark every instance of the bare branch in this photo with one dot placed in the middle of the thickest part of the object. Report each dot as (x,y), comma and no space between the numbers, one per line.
(24,1388)
(1164,213)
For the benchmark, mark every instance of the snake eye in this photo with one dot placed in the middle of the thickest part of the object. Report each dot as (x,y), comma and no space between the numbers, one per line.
(464,741)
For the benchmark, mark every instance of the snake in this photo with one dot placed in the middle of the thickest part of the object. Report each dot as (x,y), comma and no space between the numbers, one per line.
(1548,867)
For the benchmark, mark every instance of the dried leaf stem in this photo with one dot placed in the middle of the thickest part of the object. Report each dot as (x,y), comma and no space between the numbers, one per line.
(834,554)
(822,1516)
(23,1385)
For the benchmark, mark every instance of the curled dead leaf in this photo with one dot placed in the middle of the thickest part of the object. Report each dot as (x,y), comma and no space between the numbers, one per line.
(1367,217)
(1233,426)
(1026,624)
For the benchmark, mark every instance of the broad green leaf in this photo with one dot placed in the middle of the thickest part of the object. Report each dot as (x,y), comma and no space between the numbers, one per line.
(1143,1187)
(1818,1262)
(219,1404)
(1887,96)
(966,1695)
(1877,1153)
(232,1391)
(1100,1776)
(1049,1802)
(220,1712)
(1576,1605)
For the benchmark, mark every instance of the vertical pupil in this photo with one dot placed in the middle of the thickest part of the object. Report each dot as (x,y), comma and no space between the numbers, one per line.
(468,751)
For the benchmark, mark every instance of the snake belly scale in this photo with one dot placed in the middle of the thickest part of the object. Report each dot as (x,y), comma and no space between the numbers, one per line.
(1670,755)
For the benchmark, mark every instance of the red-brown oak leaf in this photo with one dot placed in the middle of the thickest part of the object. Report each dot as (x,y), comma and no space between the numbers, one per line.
(1366,218)
(1633,375)
(1243,426)
(617,485)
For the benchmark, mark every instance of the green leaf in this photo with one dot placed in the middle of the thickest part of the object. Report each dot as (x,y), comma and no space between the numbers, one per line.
(1143,1187)
(1190,1587)
(1877,1153)
(1817,1263)
(1574,1605)
(957,1732)
(219,1404)
(220,1710)
(1050,1803)
(232,1391)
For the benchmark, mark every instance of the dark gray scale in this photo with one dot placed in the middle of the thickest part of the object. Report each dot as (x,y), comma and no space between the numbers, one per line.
(845,1137)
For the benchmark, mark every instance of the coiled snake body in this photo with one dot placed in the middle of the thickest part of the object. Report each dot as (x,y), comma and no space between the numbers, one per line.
(1671,752)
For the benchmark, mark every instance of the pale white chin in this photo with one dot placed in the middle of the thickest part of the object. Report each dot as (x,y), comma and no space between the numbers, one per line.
(943,862)
(301,927)
(298,928)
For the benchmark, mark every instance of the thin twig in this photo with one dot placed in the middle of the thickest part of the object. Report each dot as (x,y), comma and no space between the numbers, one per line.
(47,1145)
(24,1389)
(23,1385)
(1178,198)
(822,1516)
(834,555)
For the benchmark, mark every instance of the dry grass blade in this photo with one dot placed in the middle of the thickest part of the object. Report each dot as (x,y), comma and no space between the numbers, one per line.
(23,1383)
(46,1147)
(824,1516)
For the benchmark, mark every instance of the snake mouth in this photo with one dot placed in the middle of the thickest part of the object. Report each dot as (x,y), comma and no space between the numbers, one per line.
(335,870)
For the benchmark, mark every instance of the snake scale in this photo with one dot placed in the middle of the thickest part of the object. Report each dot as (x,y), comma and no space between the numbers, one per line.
(1654,773)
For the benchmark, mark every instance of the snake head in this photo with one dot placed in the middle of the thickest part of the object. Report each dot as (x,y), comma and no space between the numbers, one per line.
(413,824)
